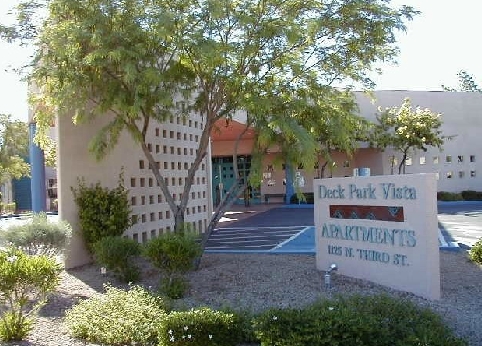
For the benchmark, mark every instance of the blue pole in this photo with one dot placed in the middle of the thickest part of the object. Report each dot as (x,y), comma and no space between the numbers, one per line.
(290,188)
(37,167)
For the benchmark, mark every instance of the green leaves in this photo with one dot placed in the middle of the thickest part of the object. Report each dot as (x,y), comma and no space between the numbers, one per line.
(13,148)
(404,128)
(102,212)
(25,282)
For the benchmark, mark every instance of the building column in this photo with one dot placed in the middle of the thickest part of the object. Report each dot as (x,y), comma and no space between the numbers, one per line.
(37,167)
(290,188)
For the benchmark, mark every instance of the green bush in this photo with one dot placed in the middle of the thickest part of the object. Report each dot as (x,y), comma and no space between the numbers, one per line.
(361,321)
(102,212)
(25,282)
(173,254)
(116,254)
(118,317)
(174,286)
(470,195)
(449,196)
(200,327)
(475,252)
(39,236)
(304,198)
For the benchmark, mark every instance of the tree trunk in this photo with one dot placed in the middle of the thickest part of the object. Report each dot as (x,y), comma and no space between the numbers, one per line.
(401,166)
(179,219)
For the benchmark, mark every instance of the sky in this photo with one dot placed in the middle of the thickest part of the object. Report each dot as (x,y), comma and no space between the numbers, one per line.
(438,43)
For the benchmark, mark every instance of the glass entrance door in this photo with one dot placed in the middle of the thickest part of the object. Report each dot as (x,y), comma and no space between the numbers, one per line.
(223,178)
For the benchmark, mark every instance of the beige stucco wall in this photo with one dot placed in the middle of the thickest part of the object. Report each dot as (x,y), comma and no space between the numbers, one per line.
(173,144)
(462,117)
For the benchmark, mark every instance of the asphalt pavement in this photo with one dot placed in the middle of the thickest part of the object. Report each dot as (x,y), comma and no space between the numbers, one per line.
(290,229)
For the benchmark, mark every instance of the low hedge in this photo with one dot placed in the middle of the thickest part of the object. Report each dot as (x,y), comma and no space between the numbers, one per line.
(355,321)
(306,198)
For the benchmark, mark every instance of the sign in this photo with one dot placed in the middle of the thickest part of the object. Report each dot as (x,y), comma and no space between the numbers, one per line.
(380,228)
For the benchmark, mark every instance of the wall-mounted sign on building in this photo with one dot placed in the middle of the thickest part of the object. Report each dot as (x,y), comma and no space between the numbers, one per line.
(380,228)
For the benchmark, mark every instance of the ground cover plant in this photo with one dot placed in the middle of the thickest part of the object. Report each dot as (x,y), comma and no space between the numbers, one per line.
(138,316)
(200,327)
(118,317)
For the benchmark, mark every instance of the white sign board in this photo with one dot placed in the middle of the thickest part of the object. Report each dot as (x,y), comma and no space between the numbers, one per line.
(380,228)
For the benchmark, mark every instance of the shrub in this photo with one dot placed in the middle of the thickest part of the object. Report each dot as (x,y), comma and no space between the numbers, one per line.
(470,195)
(25,282)
(39,236)
(102,212)
(116,254)
(475,252)
(379,320)
(307,197)
(200,327)
(173,254)
(449,196)
(118,317)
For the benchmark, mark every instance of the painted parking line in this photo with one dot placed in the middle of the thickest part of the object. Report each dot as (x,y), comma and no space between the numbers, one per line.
(292,240)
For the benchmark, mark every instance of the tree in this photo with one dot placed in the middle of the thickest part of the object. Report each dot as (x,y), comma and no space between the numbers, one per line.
(145,60)
(406,129)
(466,83)
(13,148)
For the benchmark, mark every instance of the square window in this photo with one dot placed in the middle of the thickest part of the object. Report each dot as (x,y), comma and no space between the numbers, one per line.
(160,215)
(164,149)
(472,158)
(472,174)
(143,218)
(435,160)
(157,148)
(449,175)
(133,200)
(153,233)
(149,147)
(172,150)
(346,163)
(143,182)
(134,219)
(164,134)
(460,158)
(151,199)
(461,174)
(133,182)
(422,160)
(151,182)
(159,198)
(152,217)
(157,132)
(171,134)
(448,159)
(141,164)
(173,165)
(143,200)
(165,165)
(168,214)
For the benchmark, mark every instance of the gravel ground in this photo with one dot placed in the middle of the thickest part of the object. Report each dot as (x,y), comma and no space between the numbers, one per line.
(259,281)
